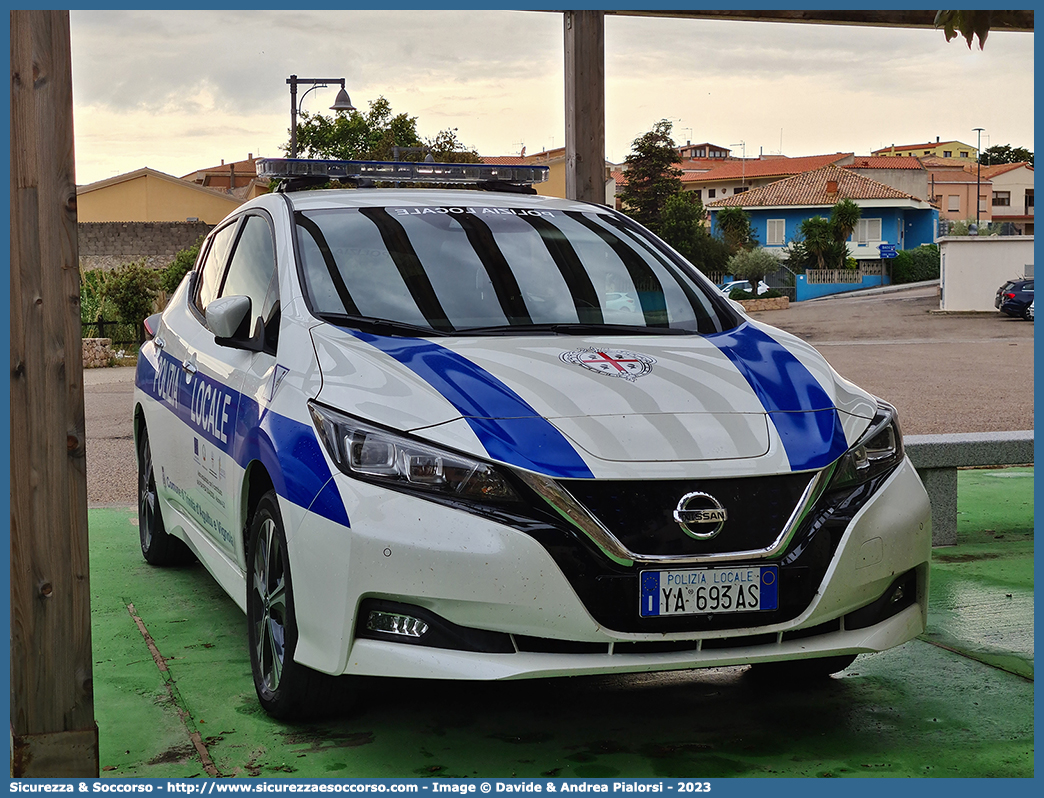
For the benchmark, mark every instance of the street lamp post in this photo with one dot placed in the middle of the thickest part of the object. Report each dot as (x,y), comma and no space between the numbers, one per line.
(978,175)
(341,103)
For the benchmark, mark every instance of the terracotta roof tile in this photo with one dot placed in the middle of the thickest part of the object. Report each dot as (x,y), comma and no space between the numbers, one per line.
(767,167)
(931,145)
(997,169)
(881,162)
(810,188)
(247,167)
(505,160)
(958,176)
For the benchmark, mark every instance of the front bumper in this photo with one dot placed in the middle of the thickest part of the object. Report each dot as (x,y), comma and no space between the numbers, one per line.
(478,574)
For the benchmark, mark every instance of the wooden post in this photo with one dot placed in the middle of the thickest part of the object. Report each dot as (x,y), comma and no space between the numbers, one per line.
(52,705)
(585,105)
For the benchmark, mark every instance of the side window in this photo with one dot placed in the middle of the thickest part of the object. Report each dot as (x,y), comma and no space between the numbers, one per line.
(252,271)
(214,266)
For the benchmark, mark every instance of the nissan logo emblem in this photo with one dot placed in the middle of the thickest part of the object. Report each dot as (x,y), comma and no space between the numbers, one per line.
(700,515)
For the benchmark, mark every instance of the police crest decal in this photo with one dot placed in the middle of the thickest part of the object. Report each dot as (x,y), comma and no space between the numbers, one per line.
(611,362)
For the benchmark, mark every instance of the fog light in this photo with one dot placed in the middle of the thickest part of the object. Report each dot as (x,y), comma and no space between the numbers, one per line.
(395,624)
(897,595)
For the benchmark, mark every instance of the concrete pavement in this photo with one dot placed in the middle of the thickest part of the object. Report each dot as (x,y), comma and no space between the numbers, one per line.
(174,696)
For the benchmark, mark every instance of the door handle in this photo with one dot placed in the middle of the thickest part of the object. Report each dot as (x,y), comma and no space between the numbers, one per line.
(189,366)
(159,342)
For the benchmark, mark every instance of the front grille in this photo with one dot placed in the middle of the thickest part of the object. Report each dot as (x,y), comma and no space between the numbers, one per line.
(640,514)
(610,591)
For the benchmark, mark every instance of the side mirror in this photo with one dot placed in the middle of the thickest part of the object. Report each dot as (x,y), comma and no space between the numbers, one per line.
(229,319)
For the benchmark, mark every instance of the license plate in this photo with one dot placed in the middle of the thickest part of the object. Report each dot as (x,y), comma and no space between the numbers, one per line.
(707,591)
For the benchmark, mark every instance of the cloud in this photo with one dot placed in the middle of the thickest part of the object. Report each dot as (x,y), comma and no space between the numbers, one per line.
(198,86)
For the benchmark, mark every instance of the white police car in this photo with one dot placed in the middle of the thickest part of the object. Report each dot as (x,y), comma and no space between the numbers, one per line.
(411,437)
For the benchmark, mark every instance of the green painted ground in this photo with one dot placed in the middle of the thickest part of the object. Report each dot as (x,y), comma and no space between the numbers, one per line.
(952,704)
(982,590)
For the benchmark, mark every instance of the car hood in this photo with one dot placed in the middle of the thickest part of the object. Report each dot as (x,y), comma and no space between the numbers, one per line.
(572,406)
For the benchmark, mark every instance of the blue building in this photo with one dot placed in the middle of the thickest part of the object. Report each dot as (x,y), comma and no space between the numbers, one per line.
(889,216)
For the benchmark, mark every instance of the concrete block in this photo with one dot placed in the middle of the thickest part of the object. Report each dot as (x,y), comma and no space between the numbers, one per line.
(941,484)
(937,458)
(970,449)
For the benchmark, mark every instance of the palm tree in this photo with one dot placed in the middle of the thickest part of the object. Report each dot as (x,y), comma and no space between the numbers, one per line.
(843,218)
(736,232)
(818,238)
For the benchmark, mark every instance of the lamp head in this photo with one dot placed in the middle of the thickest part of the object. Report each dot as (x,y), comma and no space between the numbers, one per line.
(342,102)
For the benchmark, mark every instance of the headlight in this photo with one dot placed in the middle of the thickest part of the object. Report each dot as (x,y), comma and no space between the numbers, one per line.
(879,450)
(370,453)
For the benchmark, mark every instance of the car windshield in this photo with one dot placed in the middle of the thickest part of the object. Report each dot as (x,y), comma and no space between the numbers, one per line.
(493,270)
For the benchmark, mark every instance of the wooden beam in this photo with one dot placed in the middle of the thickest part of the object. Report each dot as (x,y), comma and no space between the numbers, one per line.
(1003,20)
(585,105)
(52,705)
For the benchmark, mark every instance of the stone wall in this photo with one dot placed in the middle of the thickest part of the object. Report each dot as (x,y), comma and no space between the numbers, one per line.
(106,245)
(775,303)
(97,352)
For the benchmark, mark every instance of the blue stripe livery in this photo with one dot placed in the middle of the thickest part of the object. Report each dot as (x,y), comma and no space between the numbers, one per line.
(288,449)
(510,430)
(803,414)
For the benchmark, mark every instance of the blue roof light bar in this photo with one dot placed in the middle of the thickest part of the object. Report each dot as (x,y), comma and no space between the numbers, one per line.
(400,171)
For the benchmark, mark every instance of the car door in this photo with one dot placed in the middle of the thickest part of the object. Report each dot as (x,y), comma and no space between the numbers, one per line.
(233,377)
(175,437)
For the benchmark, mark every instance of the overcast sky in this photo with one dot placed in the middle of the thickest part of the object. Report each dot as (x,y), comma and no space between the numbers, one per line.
(181,90)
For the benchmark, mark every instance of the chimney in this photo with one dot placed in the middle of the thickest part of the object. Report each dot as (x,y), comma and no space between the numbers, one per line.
(936,139)
(250,156)
(831,187)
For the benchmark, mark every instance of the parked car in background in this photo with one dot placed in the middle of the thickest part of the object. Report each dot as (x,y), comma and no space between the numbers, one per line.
(742,285)
(1014,297)
(1029,312)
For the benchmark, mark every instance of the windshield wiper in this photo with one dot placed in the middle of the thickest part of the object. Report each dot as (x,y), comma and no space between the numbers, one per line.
(379,326)
(574,329)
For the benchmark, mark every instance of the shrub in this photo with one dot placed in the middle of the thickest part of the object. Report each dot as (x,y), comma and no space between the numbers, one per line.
(737,294)
(171,277)
(132,289)
(93,306)
(915,265)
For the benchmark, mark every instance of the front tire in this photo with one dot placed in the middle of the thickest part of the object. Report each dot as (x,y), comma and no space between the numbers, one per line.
(157,546)
(285,689)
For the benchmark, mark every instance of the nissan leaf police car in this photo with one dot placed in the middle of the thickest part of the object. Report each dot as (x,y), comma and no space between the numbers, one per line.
(420,433)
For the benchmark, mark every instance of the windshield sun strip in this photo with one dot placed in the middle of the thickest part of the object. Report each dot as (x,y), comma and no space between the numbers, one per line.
(505,286)
(404,256)
(577,280)
(640,272)
(316,233)
(699,309)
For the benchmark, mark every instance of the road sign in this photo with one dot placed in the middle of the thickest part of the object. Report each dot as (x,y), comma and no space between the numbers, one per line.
(887,250)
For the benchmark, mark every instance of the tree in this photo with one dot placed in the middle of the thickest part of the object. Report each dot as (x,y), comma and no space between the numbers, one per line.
(682,226)
(843,218)
(171,276)
(373,136)
(972,23)
(752,265)
(817,239)
(735,228)
(821,243)
(652,177)
(445,147)
(1005,153)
